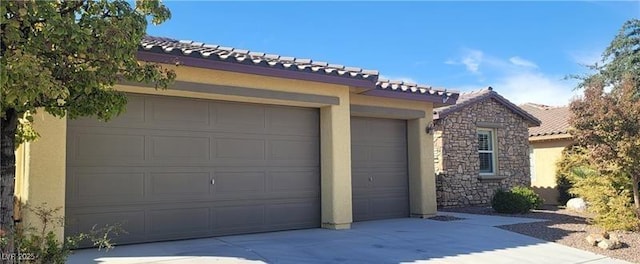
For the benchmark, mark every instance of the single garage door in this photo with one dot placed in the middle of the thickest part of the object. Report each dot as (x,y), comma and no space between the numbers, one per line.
(379,171)
(176,168)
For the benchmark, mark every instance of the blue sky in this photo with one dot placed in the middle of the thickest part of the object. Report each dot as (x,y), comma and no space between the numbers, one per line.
(522,49)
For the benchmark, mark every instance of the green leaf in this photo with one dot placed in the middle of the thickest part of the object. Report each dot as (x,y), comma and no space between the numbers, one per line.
(65,56)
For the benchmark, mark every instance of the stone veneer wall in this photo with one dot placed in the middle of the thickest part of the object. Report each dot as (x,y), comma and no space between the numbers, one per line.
(456,154)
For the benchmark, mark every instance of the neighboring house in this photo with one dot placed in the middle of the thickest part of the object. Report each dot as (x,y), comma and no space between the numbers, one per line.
(242,142)
(481,145)
(547,142)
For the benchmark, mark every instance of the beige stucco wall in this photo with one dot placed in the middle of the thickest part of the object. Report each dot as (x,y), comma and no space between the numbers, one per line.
(335,150)
(546,154)
(41,171)
(44,177)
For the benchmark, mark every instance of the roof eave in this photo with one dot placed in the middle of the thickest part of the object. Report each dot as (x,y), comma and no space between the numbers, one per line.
(550,137)
(437,100)
(531,120)
(368,83)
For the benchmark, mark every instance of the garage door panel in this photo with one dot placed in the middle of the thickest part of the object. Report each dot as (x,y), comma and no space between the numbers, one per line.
(388,154)
(164,185)
(108,187)
(379,168)
(179,221)
(173,112)
(180,148)
(108,146)
(242,216)
(389,207)
(386,131)
(293,150)
(278,121)
(240,148)
(159,162)
(359,154)
(234,117)
(388,177)
(239,183)
(302,213)
(360,181)
(361,208)
(294,181)
(264,196)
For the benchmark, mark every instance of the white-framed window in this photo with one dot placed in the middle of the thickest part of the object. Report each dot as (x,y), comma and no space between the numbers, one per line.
(486,151)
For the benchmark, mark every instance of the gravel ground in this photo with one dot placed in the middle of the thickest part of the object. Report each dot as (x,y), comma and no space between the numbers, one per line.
(564,227)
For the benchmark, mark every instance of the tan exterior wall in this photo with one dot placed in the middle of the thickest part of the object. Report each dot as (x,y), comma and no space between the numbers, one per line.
(41,170)
(44,165)
(335,150)
(545,156)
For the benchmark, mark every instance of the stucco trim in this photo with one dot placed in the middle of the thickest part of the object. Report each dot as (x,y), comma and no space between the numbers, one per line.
(437,100)
(386,112)
(550,137)
(246,92)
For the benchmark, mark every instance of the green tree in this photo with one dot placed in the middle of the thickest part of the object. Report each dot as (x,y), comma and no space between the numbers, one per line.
(64,57)
(607,121)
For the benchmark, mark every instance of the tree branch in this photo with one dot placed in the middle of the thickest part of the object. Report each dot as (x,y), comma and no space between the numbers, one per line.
(73,8)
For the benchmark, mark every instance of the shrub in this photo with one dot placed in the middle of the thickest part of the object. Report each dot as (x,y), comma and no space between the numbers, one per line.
(510,203)
(572,157)
(40,245)
(608,198)
(533,198)
(563,185)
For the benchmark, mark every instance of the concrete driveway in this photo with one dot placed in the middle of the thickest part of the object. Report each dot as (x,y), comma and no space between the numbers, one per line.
(472,240)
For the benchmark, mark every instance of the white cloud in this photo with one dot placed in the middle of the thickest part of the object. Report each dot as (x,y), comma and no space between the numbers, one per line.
(517,79)
(522,62)
(535,87)
(472,60)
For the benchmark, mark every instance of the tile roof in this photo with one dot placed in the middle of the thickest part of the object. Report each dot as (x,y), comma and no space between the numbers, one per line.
(408,87)
(555,119)
(228,58)
(470,98)
(241,56)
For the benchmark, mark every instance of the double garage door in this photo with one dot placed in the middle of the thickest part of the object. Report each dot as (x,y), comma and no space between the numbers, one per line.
(176,168)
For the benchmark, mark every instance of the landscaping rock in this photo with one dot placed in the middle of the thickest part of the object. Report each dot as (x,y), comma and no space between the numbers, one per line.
(609,244)
(577,204)
(595,239)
